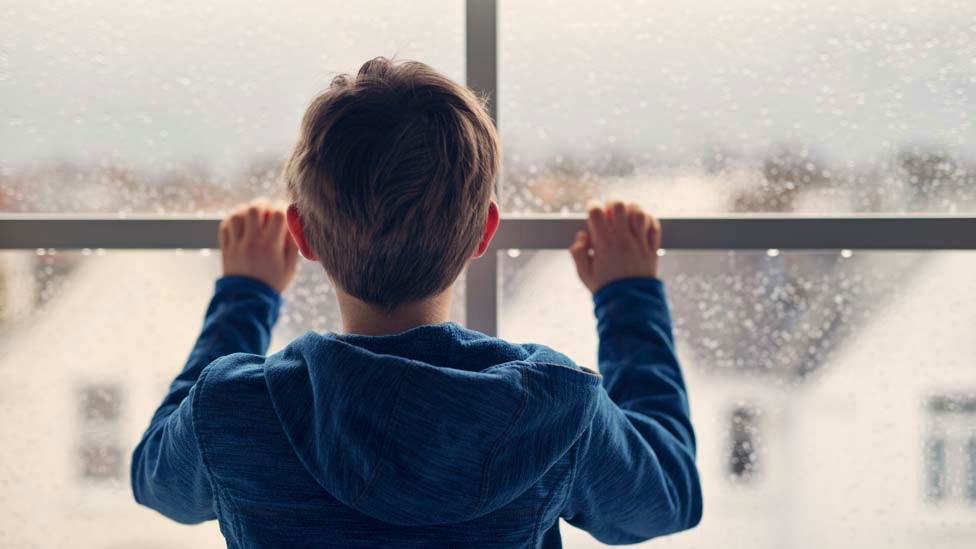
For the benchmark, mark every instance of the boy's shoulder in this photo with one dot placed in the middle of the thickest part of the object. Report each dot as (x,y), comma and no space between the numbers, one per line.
(233,381)
(236,367)
(541,354)
(531,353)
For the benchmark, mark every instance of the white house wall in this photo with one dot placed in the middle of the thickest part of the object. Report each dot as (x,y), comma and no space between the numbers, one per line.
(863,419)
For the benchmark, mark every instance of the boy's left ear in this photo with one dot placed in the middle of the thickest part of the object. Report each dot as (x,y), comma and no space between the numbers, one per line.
(297,229)
(491,225)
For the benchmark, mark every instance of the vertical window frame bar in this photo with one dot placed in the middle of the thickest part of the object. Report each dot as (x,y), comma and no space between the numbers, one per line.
(481,75)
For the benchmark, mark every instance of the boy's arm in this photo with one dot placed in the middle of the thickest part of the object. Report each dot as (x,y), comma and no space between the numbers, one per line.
(168,471)
(635,473)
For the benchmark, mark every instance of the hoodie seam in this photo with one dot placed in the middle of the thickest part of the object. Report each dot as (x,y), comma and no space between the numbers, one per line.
(560,486)
(386,441)
(483,498)
(575,460)
(568,484)
(218,490)
(571,374)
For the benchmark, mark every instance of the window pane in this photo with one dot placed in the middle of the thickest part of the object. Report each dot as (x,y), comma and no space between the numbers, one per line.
(739,106)
(89,343)
(181,106)
(831,391)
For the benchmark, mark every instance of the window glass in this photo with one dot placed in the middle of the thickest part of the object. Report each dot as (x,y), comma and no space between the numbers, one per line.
(739,106)
(89,343)
(832,392)
(182,106)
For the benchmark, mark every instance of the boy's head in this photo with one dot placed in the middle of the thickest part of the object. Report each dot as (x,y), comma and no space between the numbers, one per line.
(391,181)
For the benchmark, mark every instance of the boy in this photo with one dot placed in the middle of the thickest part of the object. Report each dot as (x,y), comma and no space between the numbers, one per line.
(409,430)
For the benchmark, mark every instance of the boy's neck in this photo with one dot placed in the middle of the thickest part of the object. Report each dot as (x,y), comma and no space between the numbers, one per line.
(361,318)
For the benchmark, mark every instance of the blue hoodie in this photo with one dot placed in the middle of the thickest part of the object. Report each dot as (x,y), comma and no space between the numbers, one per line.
(436,437)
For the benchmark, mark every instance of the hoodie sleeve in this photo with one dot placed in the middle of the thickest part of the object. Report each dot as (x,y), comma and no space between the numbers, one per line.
(168,470)
(635,473)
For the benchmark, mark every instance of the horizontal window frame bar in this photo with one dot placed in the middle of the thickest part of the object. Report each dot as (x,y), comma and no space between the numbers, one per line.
(729,232)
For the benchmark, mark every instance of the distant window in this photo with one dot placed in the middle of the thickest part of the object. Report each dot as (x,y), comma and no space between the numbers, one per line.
(100,402)
(935,469)
(744,439)
(101,461)
(971,473)
(950,449)
(99,447)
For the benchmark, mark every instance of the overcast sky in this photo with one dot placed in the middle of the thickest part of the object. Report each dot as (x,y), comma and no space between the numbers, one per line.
(153,84)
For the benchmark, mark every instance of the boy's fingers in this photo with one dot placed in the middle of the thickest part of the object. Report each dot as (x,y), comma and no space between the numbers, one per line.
(654,232)
(596,221)
(252,220)
(223,234)
(580,250)
(617,213)
(638,220)
(236,223)
(276,224)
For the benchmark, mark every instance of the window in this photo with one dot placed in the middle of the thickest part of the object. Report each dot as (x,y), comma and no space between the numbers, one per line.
(935,469)
(182,107)
(738,106)
(100,453)
(950,467)
(798,382)
(100,403)
(804,338)
(744,441)
(101,461)
(147,108)
(971,470)
(102,356)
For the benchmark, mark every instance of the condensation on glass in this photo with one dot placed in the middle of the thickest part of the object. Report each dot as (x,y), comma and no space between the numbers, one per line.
(739,106)
(181,107)
(833,393)
(89,342)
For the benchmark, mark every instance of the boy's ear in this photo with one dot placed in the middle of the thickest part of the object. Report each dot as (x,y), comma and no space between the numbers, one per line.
(491,225)
(297,229)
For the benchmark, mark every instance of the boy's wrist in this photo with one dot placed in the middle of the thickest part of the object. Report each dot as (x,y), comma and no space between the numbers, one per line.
(243,295)
(631,300)
(245,284)
(623,285)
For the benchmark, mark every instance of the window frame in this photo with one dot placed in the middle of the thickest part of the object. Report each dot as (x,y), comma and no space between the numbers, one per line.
(529,232)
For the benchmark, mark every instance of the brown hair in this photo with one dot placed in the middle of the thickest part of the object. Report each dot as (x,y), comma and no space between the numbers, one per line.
(392,176)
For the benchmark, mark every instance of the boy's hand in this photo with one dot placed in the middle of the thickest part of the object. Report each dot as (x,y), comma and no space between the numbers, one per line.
(254,242)
(621,241)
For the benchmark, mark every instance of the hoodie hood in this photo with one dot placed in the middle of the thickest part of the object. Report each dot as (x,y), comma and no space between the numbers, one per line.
(436,425)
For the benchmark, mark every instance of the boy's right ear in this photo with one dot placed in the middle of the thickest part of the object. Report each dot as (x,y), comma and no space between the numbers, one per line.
(297,229)
(491,225)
